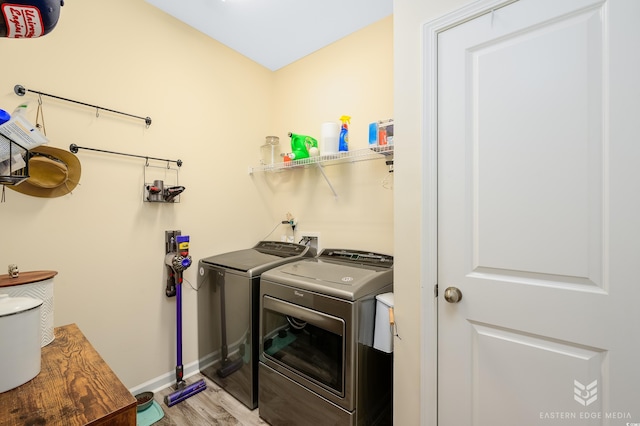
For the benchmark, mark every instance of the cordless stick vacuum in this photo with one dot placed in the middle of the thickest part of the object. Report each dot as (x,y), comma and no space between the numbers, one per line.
(177,260)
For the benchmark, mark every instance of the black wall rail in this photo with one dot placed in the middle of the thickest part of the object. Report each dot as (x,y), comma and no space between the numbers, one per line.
(74,148)
(21,90)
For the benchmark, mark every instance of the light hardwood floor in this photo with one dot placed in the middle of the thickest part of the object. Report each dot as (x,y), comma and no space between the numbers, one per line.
(212,406)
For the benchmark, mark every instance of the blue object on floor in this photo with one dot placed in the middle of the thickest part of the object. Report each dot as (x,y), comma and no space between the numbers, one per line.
(150,415)
(280,342)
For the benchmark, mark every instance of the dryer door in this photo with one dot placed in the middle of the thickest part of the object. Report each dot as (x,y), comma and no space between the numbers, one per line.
(308,343)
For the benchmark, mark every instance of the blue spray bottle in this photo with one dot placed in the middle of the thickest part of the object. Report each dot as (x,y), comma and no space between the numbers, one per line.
(343,145)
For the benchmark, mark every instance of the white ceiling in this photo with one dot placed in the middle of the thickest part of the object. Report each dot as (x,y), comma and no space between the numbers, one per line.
(275,33)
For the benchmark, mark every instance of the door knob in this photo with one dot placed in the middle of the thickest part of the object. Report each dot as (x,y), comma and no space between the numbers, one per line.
(452,295)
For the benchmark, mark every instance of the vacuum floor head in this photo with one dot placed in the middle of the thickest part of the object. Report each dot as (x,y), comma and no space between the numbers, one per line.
(229,367)
(184,393)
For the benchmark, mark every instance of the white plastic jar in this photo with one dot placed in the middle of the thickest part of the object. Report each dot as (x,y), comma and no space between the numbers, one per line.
(20,347)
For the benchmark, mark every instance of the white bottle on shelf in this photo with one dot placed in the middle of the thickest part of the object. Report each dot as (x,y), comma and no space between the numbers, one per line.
(21,110)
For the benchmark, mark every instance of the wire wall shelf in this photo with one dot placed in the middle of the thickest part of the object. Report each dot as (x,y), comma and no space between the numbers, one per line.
(373,153)
(364,154)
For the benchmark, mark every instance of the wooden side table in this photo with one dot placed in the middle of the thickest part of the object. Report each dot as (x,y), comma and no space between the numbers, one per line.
(75,386)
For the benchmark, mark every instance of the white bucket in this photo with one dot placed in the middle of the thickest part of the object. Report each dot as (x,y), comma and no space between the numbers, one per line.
(20,336)
(383,334)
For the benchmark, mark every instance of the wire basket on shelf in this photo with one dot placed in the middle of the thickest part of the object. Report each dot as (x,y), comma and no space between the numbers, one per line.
(14,162)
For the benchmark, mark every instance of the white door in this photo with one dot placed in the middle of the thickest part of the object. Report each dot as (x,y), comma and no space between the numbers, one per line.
(539,215)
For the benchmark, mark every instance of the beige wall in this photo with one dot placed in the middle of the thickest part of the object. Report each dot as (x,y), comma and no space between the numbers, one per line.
(211,108)
(354,77)
(208,104)
(415,308)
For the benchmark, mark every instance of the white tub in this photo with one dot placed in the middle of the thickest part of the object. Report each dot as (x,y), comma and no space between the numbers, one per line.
(19,340)
(384,331)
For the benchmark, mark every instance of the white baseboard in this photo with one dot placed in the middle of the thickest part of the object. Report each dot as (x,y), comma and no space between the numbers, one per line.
(164,381)
(169,379)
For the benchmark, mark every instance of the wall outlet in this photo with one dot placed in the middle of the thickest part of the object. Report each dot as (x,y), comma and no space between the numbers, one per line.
(311,239)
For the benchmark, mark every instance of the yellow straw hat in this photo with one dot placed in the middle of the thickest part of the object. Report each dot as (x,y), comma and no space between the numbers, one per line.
(53,172)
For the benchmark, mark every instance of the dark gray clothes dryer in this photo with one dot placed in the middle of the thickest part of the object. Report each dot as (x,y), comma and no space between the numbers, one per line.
(228,314)
(318,365)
